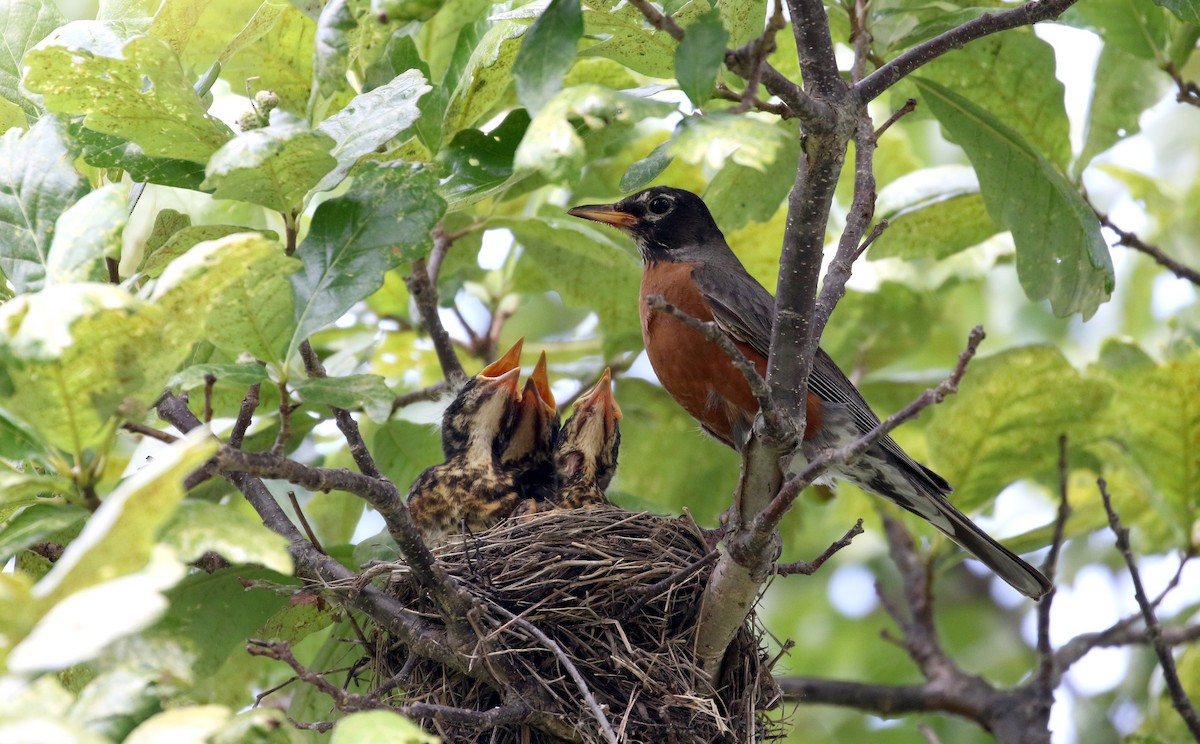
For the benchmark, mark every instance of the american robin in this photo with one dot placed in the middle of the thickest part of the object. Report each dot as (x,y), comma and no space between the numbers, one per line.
(689,264)
(529,452)
(586,454)
(471,490)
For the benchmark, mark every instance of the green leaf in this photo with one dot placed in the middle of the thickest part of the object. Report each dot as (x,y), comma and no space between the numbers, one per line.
(194,376)
(11,116)
(932,213)
(369,392)
(1061,255)
(253,313)
(407,10)
(180,242)
(720,137)
(106,151)
(739,194)
(1139,27)
(38,522)
(640,174)
(484,78)
(174,724)
(1157,416)
(547,52)
(1125,87)
(88,233)
(274,166)
(193,287)
(1004,423)
(1011,75)
(119,539)
(355,238)
(69,338)
(203,31)
(585,267)
(744,19)
(677,465)
(37,185)
(198,527)
(379,725)
(403,450)
(624,37)
(23,23)
(481,163)
(700,56)
(1187,11)
(143,97)
(552,145)
(332,50)
(281,60)
(370,120)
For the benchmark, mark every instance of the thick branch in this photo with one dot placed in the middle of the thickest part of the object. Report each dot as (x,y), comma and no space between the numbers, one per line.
(1179,699)
(814,46)
(888,75)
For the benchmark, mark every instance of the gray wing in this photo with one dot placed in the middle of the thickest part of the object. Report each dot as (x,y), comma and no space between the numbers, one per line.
(743,308)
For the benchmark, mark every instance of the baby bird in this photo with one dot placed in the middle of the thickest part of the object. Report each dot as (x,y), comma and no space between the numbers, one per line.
(529,453)
(586,454)
(471,490)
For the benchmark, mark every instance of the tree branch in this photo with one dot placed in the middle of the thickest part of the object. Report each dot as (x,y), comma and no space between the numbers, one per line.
(1179,699)
(345,420)
(1131,240)
(808,568)
(873,85)
(418,634)
(424,294)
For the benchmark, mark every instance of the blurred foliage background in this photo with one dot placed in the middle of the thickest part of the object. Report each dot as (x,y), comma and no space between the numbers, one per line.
(328,143)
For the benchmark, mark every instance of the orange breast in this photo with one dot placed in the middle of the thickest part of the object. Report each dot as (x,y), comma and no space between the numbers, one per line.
(698,375)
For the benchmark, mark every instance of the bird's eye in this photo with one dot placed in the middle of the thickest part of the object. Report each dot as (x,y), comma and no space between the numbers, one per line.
(660,205)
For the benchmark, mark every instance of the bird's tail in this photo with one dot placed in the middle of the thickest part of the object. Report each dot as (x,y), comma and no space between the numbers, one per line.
(922,492)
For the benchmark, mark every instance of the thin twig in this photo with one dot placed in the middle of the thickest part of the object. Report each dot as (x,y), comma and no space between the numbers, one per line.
(345,421)
(770,516)
(808,568)
(659,20)
(876,231)
(308,530)
(1045,651)
(873,85)
(909,106)
(580,683)
(712,332)
(149,431)
(210,380)
(433,392)
(424,294)
(1131,240)
(285,419)
(1179,699)
(245,414)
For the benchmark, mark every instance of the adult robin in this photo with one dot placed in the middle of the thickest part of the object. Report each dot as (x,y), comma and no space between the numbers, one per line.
(586,455)
(529,451)
(689,264)
(472,490)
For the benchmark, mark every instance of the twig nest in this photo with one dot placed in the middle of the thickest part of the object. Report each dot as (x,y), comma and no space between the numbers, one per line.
(579,576)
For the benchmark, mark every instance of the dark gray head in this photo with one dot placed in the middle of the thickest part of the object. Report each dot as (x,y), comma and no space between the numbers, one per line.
(668,224)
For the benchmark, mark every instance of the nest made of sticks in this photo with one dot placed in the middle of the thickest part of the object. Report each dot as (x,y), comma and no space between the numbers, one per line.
(580,577)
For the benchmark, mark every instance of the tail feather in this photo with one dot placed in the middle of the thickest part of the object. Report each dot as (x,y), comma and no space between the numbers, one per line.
(921,491)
